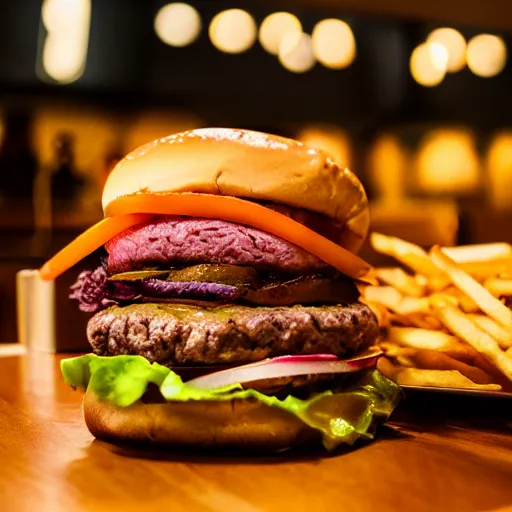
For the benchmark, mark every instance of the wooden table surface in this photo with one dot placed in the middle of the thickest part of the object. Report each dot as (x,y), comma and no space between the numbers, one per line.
(436,454)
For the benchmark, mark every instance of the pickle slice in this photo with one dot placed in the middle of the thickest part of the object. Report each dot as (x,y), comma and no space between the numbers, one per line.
(304,290)
(223,274)
(138,275)
(253,287)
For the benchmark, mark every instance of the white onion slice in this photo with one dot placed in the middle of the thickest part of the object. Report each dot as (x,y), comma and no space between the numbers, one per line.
(287,366)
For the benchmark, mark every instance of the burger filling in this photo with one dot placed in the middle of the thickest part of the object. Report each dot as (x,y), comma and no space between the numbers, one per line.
(197,291)
(191,297)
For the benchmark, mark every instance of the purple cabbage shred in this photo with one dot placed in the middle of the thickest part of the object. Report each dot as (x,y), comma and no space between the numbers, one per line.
(95,292)
(90,290)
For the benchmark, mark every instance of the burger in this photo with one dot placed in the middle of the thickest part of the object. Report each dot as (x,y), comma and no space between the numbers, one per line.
(226,313)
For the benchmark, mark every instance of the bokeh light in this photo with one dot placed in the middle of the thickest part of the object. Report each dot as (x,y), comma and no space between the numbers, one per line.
(63,16)
(296,55)
(455,45)
(334,44)
(275,27)
(389,162)
(428,64)
(448,162)
(486,55)
(233,31)
(499,170)
(178,24)
(67,23)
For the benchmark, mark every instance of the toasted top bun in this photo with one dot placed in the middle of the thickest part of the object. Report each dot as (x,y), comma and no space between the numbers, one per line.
(244,164)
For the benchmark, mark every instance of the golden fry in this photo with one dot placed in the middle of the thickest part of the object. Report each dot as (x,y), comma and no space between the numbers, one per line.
(411,305)
(467,304)
(438,378)
(486,302)
(438,283)
(404,360)
(420,320)
(429,378)
(493,329)
(388,345)
(391,246)
(421,338)
(424,321)
(460,325)
(409,254)
(434,360)
(385,295)
(423,265)
(387,368)
(402,355)
(391,298)
(498,287)
(482,270)
(479,252)
(400,280)
(460,351)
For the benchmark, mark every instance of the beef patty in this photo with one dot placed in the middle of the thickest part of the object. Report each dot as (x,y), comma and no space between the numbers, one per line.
(178,334)
(179,240)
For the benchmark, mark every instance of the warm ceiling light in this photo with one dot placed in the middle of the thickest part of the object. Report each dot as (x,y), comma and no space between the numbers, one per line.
(67,23)
(448,162)
(486,55)
(455,45)
(389,162)
(334,44)
(178,24)
(428,64)
(275,26)
(499,171)
(296,55)
(233,31)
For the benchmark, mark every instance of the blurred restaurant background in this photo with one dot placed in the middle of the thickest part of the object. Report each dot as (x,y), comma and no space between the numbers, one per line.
(414,97)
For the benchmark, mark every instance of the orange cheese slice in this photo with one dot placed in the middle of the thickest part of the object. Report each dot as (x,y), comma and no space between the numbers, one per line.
(88,242)
(128,211)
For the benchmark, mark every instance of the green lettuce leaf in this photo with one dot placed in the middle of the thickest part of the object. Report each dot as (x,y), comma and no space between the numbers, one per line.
(341,415)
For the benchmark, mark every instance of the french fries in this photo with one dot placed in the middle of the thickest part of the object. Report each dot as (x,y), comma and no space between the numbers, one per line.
(479,252)
(421,338)
(406,253)
(501,335)
(457,350)
(446,323)
(400,280)
(462,326)
(498,286)
(467,304)
(472,288)
(428,359)
(430,378)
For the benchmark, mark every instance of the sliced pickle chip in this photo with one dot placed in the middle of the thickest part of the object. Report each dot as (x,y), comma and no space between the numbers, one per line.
(304,290)
(223,274)
(254,287)
(138,275)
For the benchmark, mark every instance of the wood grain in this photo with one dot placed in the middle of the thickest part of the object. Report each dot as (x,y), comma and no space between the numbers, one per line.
(436,454)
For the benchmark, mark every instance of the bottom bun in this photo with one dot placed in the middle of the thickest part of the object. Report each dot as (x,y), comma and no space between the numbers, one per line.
(230,424)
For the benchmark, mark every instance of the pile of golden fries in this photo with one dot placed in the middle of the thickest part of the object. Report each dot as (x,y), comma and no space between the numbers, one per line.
(442,314)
